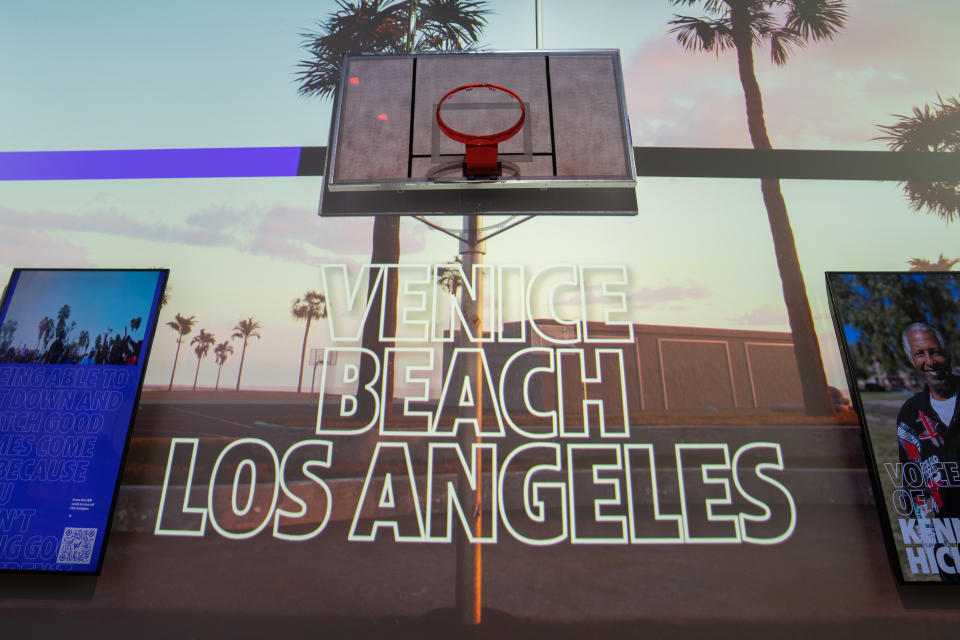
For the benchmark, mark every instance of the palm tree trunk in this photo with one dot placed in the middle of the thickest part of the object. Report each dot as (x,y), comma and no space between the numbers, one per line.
(175,358)
(806,347)
(196,376)
(217,386)
(386,250)
(243,352)
(303,355)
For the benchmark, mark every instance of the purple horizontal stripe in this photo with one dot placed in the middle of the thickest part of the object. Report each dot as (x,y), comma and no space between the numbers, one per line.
(240,162)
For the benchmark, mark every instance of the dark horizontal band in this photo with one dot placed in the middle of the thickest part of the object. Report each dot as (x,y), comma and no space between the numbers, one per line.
(693,162)
(677,162)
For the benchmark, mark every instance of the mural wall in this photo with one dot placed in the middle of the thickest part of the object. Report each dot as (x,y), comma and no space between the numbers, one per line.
(650,456)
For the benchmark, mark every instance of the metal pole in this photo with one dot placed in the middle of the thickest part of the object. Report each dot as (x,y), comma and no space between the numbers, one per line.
(539,11)
(412,26)
(469,555)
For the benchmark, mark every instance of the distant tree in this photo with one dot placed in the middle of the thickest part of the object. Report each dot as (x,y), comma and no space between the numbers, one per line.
(936,127)
(83,342)
(742,25)
(135,324)
(221,351)
(448,278)
(312,306)
(63,329)
(56,353)
(942,264)
(877,307)
(7,332)
(245,329)
(45,331)
(183,326)
(165,297)
(201,346)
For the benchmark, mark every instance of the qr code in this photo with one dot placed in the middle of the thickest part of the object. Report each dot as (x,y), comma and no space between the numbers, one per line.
(76,545)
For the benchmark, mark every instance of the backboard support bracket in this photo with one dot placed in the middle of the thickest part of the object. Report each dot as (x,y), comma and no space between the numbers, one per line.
(506,225)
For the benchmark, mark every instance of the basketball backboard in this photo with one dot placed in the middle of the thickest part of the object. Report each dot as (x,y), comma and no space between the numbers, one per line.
(572,154)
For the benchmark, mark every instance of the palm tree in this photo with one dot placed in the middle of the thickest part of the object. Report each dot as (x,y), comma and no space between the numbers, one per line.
(448,278)
(942,264)
(7,332)
(183,326)
(936,129)
(62,316)
(83,342)
(165,296)
(245,329)
(739,25)
(384,26)
(312,306)
(221,351)
(135,323)
(202,340)
(45,331)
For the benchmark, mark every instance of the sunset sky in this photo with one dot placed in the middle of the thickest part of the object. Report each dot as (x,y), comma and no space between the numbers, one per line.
(120,75)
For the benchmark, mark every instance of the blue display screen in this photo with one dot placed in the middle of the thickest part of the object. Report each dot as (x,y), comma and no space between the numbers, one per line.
(73,350)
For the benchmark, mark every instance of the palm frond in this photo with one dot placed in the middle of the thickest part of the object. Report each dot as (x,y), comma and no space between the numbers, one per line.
(762,24)
(782,42)
(942,264)
(203,340)
(715,7)
(453,24)
(246,329)
(933,128)
(312,306)
(816,19)
(222,351)
(181,324)
(380,26)
(701,34)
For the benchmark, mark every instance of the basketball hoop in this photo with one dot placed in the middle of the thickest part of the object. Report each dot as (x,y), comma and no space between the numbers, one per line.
(481,150)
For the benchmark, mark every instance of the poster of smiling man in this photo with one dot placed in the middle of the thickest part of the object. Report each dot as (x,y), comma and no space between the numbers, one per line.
(899,333)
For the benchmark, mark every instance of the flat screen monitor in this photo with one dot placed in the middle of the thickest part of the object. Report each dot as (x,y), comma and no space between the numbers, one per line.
(900,336)
(73,353)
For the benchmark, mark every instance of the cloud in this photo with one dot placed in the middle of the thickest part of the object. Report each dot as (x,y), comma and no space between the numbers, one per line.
(299,234)
(283,232)
(219,218)
(766,316)
(681,99)
(642,298)
(25,248)
(413,237)
(647,297)
(112,223)
(829,95)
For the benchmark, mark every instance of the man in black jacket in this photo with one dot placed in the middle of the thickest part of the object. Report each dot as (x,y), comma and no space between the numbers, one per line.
(928,431)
